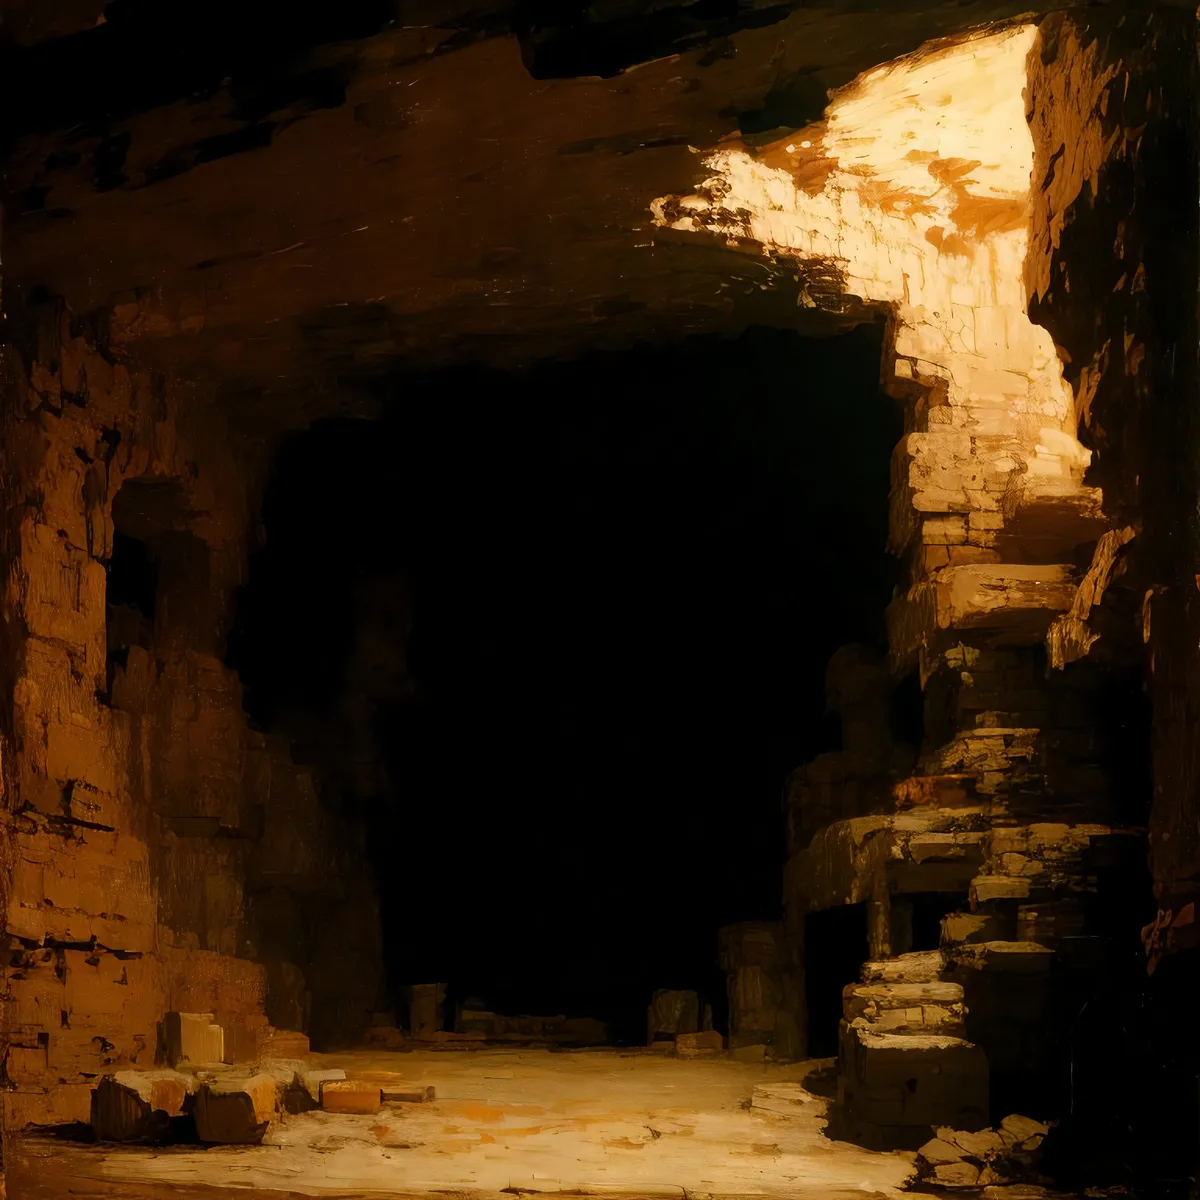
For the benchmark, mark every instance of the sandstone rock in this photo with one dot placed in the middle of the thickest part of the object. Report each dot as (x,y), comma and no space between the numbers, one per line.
(305,1092)
(284,1044)
(981,1145)
(699,1045)
(192,1038)
(351,1096)
(1017,1130)
(937,1151)
(956,1175)
(925,966)
(906,1081)
(137,1105)
(235,1111)
(906,1007)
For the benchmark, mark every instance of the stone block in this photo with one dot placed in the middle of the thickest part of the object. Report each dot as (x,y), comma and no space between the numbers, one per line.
(704,1044)
(907,1081)
(351,1096)
(906,1007)
(138,1105)
(192,1038)
(235,1111)
(923,966)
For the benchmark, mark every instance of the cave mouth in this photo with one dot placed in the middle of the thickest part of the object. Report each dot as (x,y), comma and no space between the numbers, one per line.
(556,639)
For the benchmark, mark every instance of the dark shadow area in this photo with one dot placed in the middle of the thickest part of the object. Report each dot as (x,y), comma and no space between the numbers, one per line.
(917,919)
(835,948)
(561,636)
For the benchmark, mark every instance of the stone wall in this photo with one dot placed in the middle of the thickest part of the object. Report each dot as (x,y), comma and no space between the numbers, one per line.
(159,854)
(945,188)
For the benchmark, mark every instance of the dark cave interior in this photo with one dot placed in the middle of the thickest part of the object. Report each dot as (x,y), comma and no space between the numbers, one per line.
(678,518)
(598,566)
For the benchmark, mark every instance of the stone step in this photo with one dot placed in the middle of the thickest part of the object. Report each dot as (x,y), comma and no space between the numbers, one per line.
(1016,958)
(1017,602)
(908,1082)
(924,966)
(905,1008)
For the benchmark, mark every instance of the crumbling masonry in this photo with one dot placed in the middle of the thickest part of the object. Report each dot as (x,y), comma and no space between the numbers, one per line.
(942,189)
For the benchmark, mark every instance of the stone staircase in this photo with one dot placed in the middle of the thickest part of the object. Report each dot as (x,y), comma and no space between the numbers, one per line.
(904,1063)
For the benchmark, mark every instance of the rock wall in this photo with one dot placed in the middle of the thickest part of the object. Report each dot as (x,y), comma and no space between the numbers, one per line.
(961,190)
(152,840)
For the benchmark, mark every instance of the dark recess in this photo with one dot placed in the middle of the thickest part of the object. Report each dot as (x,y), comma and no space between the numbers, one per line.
(627,575)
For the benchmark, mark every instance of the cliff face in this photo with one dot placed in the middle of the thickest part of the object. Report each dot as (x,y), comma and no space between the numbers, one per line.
(157,849)
(1004,200)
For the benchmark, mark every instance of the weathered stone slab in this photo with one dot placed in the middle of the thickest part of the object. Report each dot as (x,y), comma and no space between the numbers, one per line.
(235,1111)
(137,1105)
(906,1007)
(192,1038)
(924,966)
(351,1096)
(906,1081)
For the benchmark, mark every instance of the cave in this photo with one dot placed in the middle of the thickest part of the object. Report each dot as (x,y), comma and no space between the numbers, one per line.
(599,599)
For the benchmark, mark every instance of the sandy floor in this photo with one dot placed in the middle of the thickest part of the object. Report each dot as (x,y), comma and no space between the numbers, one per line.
(509,1121)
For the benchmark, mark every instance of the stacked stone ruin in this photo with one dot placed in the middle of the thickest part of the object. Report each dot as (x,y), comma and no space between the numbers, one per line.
(1010,809)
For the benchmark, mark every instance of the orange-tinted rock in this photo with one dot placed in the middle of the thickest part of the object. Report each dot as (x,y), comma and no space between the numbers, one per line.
(351,1096)
(137,1105)
(235,1111)
(699,1045)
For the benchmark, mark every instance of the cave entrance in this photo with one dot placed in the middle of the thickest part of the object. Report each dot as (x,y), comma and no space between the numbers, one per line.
(835,948)
(556,638)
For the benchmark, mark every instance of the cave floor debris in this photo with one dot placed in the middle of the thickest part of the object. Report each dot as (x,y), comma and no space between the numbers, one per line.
(508,1121)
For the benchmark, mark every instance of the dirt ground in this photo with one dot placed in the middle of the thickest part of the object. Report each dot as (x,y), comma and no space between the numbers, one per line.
(505,1122)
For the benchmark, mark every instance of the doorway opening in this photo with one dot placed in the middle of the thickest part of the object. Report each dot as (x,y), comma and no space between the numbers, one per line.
(563,638)
(835,948)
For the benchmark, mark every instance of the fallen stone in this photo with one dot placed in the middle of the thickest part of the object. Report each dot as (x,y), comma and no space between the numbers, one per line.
(1016,1129)
(979,1145)
(137,1105)
(351,1096)
(235,1112)
(699,1045)
(937,1151)
(956,1175)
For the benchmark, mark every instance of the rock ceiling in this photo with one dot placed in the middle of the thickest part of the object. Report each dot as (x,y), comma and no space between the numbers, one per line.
(292,209)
